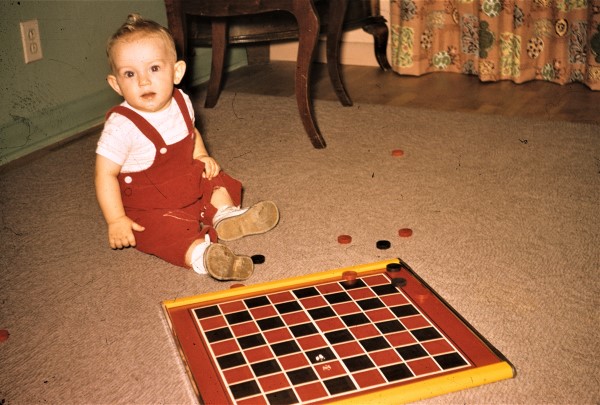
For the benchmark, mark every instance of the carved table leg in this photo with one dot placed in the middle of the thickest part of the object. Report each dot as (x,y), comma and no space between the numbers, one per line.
(379,30)
(308,28)
(219,49)
(337,12)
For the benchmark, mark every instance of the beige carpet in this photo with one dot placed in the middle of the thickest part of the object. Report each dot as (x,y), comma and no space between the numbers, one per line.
(506,220)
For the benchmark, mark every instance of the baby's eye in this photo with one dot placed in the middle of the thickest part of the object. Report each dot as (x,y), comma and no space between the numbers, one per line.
(128,74)
(155,68)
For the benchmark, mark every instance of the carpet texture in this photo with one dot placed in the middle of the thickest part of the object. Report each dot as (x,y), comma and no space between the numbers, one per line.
(506,220)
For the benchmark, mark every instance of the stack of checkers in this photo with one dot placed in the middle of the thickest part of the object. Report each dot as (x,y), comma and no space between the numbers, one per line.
(321,342)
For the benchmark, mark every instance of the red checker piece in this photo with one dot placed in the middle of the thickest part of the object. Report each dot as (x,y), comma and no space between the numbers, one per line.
(213,322)
(258,353)
(311,391)
(368,378)
(397,153)
(405,232)
(311,342)
(233,306)
(293,361)
(423,366)
(415,322)
(327,325)
(344,239)
(440,346)
(242,373)
(277,335)
(273,382)
(400,338)
(242,329)
(295,318)
(280,297)
(329,369)
(364,331)
(4,335)
(225,346)
(345,308)
(263,312)
(385,357)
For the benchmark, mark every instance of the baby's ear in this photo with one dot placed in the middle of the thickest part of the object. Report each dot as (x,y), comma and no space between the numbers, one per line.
(179,71)
(112,81)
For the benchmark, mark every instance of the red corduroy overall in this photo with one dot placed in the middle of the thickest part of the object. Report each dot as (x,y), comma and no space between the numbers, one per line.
(171,199)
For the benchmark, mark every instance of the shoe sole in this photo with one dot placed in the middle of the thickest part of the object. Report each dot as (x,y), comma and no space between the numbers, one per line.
(260,218)
(222,264)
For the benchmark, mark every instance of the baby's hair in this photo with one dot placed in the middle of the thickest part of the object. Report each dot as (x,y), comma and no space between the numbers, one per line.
(136,25)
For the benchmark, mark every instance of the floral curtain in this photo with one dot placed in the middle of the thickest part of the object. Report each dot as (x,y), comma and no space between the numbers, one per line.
(518,40)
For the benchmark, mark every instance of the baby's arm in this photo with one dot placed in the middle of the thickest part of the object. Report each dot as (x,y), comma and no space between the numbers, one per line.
(120,227)
(211,167)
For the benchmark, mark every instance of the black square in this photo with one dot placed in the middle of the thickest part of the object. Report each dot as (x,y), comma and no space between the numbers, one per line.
(404,310)
(283,348)
(283,397)
(339,336)
(287,307)
(218,334)
(450,360)
(304,329)
(207,312)
(320,313)
(244,389)
(339,385)
(358,283)
(231,360)
(375,343)
(355,319)
(302,375)
(338,297)
(257,302)
(411,352)
(390,326)
(265,367)
(396,372)
(384,289)
(358,363)
(320,355)
(270,323)
(306,292)
(238,317)
(370,303)
(425,334)
(247,342)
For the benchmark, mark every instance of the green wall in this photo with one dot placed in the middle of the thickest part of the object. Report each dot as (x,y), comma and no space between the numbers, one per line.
(65,93)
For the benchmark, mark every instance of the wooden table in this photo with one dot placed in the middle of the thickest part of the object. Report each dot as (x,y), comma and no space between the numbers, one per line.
(306,29)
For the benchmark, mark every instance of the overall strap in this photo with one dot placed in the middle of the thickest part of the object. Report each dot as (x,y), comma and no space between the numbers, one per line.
(143,125)
(184,110)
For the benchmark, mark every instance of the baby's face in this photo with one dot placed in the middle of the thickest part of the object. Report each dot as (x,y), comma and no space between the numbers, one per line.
(145,71)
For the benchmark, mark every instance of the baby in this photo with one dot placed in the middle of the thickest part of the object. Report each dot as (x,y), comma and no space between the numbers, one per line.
(157,186)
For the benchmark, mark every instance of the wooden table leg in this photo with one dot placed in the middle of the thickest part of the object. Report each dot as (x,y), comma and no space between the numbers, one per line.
(219,49)
(308,28)
(337,12)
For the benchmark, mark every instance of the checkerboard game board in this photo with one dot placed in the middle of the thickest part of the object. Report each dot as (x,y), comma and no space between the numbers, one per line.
(322,338)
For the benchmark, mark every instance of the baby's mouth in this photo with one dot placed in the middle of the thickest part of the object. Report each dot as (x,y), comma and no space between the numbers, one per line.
(148,96)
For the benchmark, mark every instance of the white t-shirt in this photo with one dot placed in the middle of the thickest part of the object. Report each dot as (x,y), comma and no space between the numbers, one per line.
(123,143)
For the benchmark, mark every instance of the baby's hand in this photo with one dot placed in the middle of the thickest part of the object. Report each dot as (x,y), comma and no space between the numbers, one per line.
(211,167)
(120,232)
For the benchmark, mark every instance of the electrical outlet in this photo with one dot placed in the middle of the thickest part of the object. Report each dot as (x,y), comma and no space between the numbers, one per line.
(32,44)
